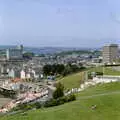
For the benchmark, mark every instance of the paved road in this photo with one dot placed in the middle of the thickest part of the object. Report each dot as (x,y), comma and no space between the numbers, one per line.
(97,95)
(4,101)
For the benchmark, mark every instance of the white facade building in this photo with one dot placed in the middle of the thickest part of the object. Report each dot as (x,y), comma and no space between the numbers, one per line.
(22,74)
(28,75)
(11,73)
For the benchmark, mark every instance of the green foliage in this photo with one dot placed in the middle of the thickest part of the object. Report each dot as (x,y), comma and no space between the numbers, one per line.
(71,97)
(72,69)
(38,105)
(61,69)
(60,101)
(108,107)
(50,103)
(90,76)
(28,55)
(66,71)
(59,92)
(53,69)
(93,74)
(47,69)
(27,106)
(99,73)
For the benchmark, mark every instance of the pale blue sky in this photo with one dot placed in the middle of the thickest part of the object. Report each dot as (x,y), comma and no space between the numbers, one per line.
(80,23)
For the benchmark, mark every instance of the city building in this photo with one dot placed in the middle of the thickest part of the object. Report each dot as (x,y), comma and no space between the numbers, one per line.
(14,73)
(22,74)
(15,53)
(110,54)
(11,73)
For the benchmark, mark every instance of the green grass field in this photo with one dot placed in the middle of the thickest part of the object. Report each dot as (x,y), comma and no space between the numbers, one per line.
(73,81)
(108,106)
(106,97)
(107,70)
(100,88)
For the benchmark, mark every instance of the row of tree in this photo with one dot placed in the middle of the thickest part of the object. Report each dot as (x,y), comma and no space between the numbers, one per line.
(53,69)
(61,69)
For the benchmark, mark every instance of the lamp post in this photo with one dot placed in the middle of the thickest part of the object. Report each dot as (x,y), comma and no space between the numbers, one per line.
(86,75)
(103,69)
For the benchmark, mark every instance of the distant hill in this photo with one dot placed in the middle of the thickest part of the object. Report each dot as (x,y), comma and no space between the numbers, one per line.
(45,50)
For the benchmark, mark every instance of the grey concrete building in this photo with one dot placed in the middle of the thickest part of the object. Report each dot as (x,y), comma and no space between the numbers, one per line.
(14,53)
(110,53)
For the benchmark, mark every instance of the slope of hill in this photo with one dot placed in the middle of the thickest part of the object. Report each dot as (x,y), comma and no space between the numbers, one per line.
(73,80)
(106,97)
(106,70)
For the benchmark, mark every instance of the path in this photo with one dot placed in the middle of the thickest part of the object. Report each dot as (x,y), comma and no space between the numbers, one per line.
(4,101)
(97,95)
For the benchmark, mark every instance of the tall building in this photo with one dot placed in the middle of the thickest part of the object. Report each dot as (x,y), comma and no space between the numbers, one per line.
(110,54)
(15,53)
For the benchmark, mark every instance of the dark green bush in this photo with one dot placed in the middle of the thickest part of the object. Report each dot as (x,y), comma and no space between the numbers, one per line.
(60,101)
(38,105)
(59,92)
(99,73)
(27,106)
(71,97)
(50,103)
(90,76)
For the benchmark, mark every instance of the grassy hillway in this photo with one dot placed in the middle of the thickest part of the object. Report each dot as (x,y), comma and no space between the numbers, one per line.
(106,97)
(73,80)
(106,70)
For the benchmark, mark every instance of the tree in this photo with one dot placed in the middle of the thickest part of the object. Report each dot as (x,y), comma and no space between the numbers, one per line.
(28,55)
(59,92)
(47,69)
(60,68)
(53,69)
(74,68)
(67,70)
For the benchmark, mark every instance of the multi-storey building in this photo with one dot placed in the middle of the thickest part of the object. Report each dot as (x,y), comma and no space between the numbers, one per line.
(15,53)
(110,54)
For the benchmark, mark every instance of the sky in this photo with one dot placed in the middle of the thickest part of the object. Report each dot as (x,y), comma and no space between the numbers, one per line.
(63,23)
